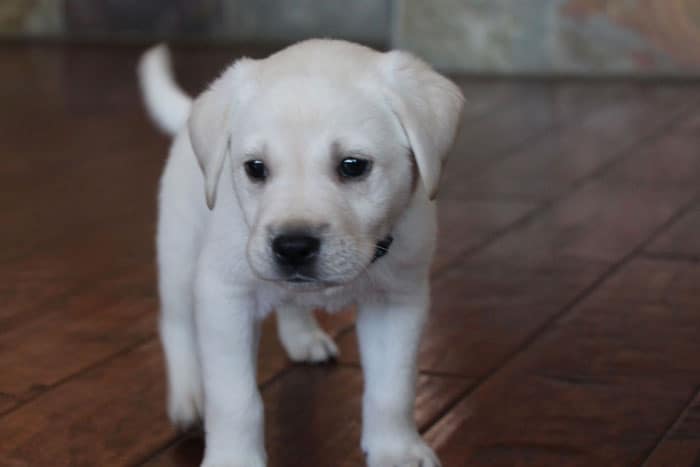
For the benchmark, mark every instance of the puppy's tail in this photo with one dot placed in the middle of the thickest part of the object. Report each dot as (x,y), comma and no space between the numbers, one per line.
(166,103)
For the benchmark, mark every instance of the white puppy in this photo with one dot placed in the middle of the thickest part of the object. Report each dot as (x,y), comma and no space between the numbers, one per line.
(286,183)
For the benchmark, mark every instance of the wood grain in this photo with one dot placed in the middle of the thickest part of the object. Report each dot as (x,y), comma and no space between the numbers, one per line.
(549,167)
(481,315)
(564,321)
(681,444)
(681,240)
(599,388)
(526,115)
(466,224)
(111,415)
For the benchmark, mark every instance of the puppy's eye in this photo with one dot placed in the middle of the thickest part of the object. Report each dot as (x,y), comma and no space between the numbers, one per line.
(353,167)
(256,170)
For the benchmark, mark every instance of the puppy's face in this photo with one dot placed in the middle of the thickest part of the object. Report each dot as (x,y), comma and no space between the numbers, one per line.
(326,142)
(321,172)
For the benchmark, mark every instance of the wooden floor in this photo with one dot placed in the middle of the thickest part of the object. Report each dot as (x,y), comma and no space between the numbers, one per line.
(566,321)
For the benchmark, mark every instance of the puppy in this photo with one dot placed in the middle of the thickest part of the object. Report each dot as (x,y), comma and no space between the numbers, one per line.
(299,181)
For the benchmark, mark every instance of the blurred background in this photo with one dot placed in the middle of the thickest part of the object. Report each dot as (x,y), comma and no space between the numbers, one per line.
(589,37)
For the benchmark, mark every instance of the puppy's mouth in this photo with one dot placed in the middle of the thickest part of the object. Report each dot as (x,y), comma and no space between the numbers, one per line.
(303,281)
(297,280)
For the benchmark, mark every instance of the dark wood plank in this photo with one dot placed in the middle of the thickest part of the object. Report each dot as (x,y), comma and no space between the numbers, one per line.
(465,224)
(479,316)
(598,389)
(657,282)
(92,191)
(7,402)
(76,333)
(313,418)
(526,115)
(681,240)
(97,158)
(538,119)
(486,96)
(524,278)
(680,447)
(37,281)
(549,167)
(112,415)
(605,219)
(54,367)
(679,168)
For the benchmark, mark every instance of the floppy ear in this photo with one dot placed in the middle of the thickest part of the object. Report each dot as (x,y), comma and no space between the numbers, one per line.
(429,108)
(210,125)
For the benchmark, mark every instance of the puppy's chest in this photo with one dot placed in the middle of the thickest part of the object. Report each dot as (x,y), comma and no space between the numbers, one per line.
(331,300)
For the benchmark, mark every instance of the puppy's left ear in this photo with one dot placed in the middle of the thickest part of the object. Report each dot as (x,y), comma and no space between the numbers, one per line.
(429,108)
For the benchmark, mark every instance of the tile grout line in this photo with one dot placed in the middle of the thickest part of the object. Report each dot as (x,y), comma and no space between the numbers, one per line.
(544,327)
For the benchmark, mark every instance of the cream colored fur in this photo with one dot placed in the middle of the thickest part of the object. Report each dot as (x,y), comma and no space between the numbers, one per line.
(297,110)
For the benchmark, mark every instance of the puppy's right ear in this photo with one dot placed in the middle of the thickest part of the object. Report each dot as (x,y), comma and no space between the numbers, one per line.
(211,121)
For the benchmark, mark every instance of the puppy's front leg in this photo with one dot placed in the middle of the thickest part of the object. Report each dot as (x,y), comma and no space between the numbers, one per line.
(389,334)
(227,333)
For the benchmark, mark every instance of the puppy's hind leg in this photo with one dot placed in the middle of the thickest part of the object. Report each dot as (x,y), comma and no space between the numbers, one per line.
(302,337)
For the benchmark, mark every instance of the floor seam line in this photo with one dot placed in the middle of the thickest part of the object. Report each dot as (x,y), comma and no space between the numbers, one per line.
(674,423)
(622,155)
(571,305)
(125,350)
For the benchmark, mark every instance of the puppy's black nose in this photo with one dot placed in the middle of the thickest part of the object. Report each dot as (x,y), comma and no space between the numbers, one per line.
(295,249)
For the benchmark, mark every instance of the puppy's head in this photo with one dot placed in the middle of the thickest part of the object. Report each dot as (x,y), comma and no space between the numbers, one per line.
(327,143)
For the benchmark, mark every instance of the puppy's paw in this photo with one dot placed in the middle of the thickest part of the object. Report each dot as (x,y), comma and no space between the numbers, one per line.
(312,347)
(414,453)
(186,406)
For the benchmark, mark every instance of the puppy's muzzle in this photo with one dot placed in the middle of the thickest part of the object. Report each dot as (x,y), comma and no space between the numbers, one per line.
(295,251)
